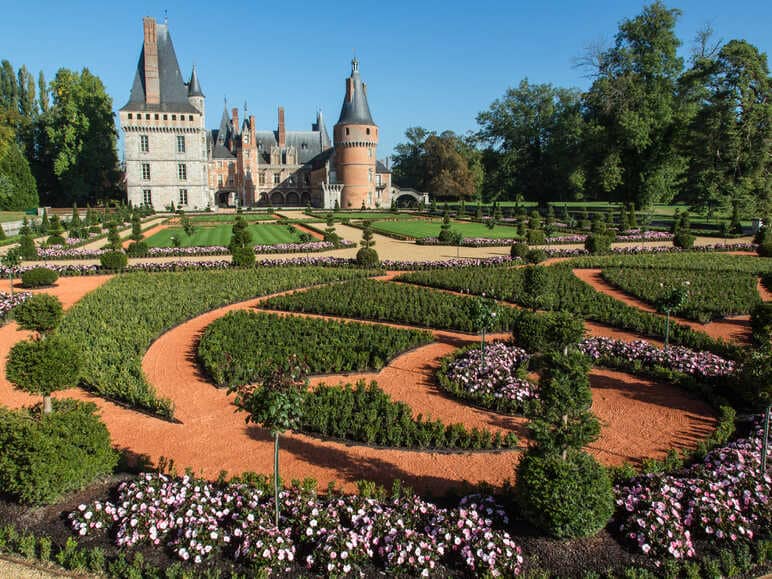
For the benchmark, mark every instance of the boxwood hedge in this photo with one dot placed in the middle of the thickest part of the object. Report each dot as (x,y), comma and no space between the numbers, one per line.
(115,324)
(236,349)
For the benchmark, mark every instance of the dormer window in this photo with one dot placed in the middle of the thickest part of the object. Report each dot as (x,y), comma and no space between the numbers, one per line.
(304,146)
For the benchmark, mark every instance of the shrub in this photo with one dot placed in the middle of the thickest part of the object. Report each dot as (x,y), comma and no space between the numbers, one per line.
(243,257)
(536,256)
(38,277)
(113,260)
(43,457)
(27,246)
(138,249)
(536,237)
(765,249)
(55,240)
(547,331)
(368,257)
(761,324)
(564,498)
(684,240)
(39,313)
(519,250)
(95,229)
(597,243)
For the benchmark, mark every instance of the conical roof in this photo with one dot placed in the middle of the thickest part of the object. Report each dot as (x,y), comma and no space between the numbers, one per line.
(194,88)
(355,110)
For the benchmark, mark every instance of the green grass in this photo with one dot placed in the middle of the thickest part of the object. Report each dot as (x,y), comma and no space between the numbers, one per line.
(230,217)
(263,234)
(423,228)
(372,215)
(13,216)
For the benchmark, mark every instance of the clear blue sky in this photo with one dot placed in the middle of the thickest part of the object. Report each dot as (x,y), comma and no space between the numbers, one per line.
(429,63)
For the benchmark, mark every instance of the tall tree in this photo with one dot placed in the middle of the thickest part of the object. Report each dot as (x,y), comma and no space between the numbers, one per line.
(43,102)
(633,110)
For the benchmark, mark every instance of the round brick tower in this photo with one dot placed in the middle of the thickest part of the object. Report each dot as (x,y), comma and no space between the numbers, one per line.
(355,137)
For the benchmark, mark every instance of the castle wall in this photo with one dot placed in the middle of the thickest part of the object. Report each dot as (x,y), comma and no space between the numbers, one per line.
(355,156)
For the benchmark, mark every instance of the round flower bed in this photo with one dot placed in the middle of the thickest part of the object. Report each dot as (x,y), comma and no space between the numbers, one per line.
(335,535)
(498,385)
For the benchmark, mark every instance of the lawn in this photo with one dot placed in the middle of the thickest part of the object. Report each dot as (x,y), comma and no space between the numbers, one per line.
(371,215)
(229,217)
(424,228)
(13,216)
(220,235)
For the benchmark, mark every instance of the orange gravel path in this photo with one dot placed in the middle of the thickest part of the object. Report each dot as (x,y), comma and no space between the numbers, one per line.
(640,418)
(731,328)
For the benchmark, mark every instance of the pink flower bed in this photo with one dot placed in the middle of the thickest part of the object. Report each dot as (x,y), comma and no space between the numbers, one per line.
(337,535)
(8,302)
(724,499)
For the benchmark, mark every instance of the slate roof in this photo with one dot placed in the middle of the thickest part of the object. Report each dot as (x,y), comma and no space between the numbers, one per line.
(356,111)
(381,168)
(313,141)
(174,91)
(194,88)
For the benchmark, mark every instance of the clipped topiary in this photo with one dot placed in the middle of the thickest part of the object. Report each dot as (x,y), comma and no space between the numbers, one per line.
(597,243)
(518,250)
(38,277)
(761,325)
(536,237)
(550,331)
(564,498)
(39,313)
(243,257)
(55,240)
(683,239)
(113,260)
(44,457)
(764,250)
(536,256)
(368,257)
(137,249)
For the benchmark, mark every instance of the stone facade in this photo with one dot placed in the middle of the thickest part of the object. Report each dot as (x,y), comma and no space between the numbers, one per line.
(171,158)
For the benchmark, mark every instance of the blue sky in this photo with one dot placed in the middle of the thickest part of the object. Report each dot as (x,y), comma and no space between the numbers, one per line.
(431,63)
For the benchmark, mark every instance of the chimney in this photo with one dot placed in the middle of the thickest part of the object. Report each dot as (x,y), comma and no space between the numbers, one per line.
(252,129)
(152,83)
(235,116)
(349,89)
(282,130)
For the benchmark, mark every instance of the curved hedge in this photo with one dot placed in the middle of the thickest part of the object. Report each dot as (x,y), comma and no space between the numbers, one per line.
(116,323)
(235,349)
(389,302)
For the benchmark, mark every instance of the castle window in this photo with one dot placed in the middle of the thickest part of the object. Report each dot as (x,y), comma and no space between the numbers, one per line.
(146,171)
(156,116)
(276,178)
(166,117)
(183,197)
(180,143)
(182,171)
(144,144)
(368,131)
(174,117)
(219,181)
(147,116)
(129,116)
(262,178)
(304,146)
(147,197)
(190,117)
(347,131)
(307,179)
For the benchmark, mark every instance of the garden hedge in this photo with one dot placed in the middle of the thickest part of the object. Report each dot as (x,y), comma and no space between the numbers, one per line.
(38,277)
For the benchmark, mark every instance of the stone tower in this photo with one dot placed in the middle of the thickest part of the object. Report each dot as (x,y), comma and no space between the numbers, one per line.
(165,137)
(355,138)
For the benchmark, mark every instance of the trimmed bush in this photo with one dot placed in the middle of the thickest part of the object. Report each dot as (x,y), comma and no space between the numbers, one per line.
(55,240)
(243,257)
(536,256)
(368,257)
(548,331)
(39,313)
(95,229)
(113,260)
(761,324)
(43,457)
(597,243)
(27,246)
(765,250)
(137,249)
(536,237)
(564,498)
(38,277)
(684,240)
(518,250)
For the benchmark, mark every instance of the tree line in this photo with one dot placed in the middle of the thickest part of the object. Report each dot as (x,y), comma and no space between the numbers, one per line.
(57,139)
(651,128)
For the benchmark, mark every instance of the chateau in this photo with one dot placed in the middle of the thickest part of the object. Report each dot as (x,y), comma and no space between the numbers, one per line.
(171,157)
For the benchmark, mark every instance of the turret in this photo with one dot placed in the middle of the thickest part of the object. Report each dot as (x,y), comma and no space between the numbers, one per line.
(355,136)
(195,94)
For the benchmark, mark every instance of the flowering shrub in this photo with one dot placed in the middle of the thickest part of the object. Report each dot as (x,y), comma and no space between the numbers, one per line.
(676,358)
(8,302)
(498,385)
(722,499)
(334,535)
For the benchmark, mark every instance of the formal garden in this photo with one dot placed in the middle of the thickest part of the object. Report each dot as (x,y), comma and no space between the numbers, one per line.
(346,416)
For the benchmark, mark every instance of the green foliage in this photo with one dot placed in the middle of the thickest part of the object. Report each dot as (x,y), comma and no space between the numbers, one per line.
(365,413)
(137,249)
(113,260)
(55,240)
(548,331)
(133,310)
(113,237)
(764,250)
(684,240)
(444,236)
(44,456)
(27,246)
(39,313)
(136,227)
(708,296)
(537,287)
(388,302)
(329,232)
(597,243)
(367,241)
(367,257)
(761,325)
(564,498)
(518,250)
(715,262)
(240,235)
(38,277)
(18,190)
(536,237)
(239,347)
(44,366)
(535,256)
(243,257)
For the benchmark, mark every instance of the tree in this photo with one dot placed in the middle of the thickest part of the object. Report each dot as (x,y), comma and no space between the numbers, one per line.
(74,224)
(18,190)
(44,366)
(672,302)
(136,228)
(367,256)
(27,248)
(633,111)
(11,261)
(537,286)
(113,237)
(329,233)
(444,236)
(276,404)
(484,314)
(240,245)
(39,313)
